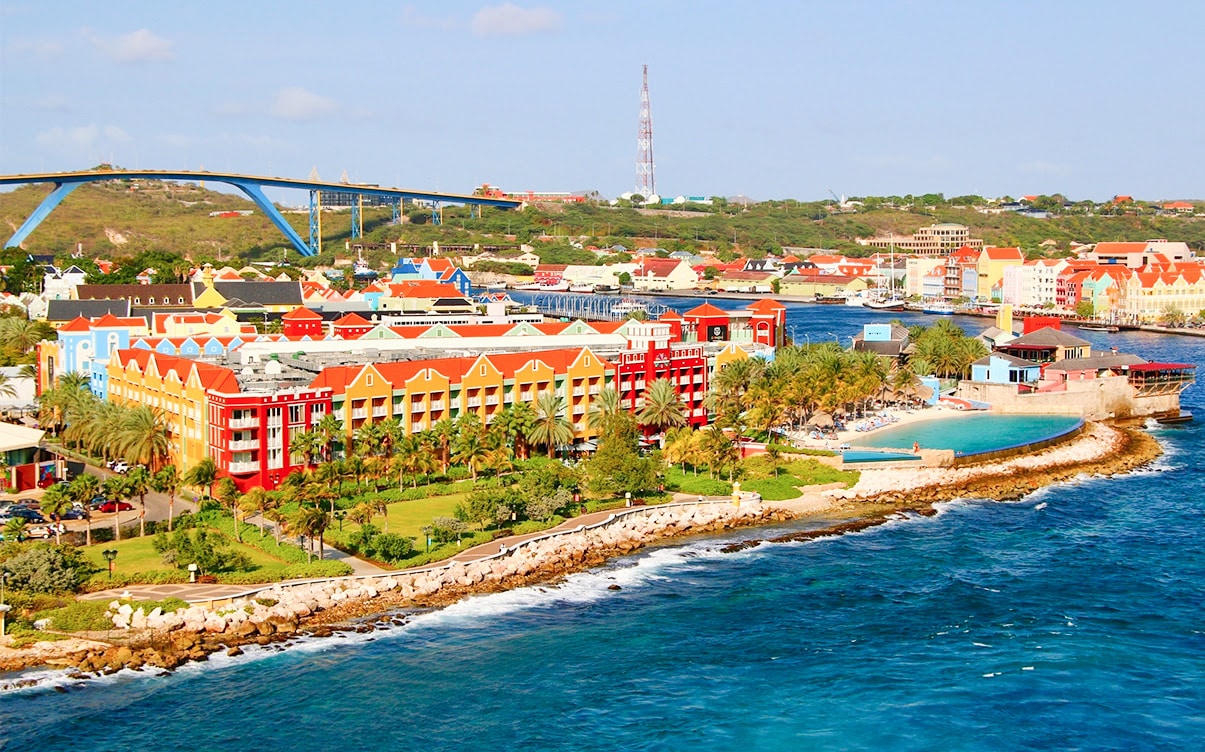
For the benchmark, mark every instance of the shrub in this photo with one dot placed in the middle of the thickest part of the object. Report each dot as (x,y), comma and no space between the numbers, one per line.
(46,568)
(391,547)
(200,547)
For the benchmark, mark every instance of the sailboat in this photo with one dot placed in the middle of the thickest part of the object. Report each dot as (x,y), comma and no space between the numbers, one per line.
(892,302)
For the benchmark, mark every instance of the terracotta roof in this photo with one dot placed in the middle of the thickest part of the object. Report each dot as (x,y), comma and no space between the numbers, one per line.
(211,376)
(1004,254)
(350,320)
(766,305)
(1048,337)
(77,324)
(705,310)
(301,313)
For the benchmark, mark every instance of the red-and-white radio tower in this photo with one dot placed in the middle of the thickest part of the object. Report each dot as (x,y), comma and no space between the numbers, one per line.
(645,184)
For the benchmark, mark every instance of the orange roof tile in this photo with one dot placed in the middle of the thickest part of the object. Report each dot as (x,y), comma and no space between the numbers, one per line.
(301,313)
(77,324)
(707,309)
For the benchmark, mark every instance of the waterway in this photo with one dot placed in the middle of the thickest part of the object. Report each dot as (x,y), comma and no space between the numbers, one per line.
(1068,620)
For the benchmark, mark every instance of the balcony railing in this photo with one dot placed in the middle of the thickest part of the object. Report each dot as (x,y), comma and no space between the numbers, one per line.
(492,400)
(244,444)
(244,423)
(359,413)
(437,405)
(380,412)
(243,467)
(579,391)
(474,402)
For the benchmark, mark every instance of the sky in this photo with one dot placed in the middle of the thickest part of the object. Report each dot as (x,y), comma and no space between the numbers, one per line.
(772,100)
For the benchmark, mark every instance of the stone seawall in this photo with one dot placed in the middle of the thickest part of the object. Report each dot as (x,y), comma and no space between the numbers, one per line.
(166,640)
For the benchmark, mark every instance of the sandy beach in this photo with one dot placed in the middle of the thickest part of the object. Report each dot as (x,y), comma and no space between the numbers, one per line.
(834,439)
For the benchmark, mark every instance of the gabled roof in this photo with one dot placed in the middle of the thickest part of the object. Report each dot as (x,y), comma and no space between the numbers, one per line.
(1013,360)
(351,320)
(77,324)
(298,314)
(258,293)
(657,267)
(1096,362)
(66,310)
(766,305)
(1003,254)
(165,292)
(706,310)
(1048,337)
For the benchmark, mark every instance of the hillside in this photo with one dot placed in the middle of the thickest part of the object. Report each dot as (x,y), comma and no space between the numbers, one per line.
(121,220)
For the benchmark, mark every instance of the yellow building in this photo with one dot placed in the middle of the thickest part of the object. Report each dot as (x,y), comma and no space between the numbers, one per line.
(419,394)
(176,387)
(992,263)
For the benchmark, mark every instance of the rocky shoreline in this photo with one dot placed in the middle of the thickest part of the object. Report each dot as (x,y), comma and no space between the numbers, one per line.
(166,641)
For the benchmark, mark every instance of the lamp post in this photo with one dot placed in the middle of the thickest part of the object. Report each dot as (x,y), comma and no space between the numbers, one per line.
(4,607)
(110,554)
(192,572)
(627,496)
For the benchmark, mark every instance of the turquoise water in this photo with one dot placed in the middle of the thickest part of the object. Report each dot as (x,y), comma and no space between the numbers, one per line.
(1069,620)
(971,434)
(854,455)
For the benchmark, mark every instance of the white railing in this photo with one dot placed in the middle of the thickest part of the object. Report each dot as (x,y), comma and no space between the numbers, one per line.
(595,389)
(492,400)
(417,407)
(244,444)
(579,391)
(474,402)
(244,423)
(359,412)
(243,467)
(380,412)
(437,405)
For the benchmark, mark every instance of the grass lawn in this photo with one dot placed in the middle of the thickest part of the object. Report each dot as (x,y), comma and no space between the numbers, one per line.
(406,518)
(139,555)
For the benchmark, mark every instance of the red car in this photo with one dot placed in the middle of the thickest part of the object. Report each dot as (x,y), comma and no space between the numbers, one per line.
(115,506)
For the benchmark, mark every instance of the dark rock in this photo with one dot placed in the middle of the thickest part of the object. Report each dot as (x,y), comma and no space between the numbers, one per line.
(236,650)
(614,587)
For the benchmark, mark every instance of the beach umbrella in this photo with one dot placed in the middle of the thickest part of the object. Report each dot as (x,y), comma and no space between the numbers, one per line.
(821,420)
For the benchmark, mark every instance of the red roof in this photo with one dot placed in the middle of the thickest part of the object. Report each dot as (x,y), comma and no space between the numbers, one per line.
(301,313)
(77,324)
(706,310)
(1004,254)
(211,376)
(766,305)
(350,320)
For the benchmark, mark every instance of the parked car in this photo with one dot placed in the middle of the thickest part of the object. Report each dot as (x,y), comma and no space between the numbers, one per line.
(121,466)
(115,506)
(29,515)
(45,531)
(96,501)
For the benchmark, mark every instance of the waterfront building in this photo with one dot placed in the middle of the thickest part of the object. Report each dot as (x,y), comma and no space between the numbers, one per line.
(935,240)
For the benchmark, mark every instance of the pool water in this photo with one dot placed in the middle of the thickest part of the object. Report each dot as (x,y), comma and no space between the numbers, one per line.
(973,434)
(862,455)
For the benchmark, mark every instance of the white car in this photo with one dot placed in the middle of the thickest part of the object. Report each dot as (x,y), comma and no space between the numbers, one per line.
(121,466)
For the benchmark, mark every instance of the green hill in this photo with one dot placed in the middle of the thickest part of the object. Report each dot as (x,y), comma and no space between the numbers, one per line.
(122,220)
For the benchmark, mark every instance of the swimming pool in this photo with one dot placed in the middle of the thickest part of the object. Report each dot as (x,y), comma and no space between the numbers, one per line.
(849,456)
(973,434)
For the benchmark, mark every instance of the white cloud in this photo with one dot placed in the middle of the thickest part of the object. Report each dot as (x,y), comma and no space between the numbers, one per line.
(509,20)
(296,103)
(141,46)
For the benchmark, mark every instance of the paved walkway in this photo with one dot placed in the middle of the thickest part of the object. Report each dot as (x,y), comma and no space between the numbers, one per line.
(198,593)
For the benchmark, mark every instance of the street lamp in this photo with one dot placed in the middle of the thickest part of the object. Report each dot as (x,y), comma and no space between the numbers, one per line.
(110,554)
(4,607)
(627,495)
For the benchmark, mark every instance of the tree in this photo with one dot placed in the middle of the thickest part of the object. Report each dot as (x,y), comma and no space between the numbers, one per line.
(255,501)
(226,492)
(138,482)
(115,490)
(143,437)
(311,522)
(330,428)
(201,547)
(43,568)
(516,422)
(202,475)
(552,428)
(617,466)
(603,407)
(83,489)
(662,407)
(167,481)
(1085,309)
(307,444)
(55,502)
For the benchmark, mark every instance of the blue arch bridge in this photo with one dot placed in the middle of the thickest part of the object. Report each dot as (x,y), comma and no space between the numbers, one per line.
(251,185)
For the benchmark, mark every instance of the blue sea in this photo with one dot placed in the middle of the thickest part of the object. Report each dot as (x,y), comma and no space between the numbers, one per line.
(1072,619)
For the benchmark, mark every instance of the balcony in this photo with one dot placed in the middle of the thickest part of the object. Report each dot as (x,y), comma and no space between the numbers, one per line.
(244,422)
(244,444)
(474,402)
(243,467)
(418,407)
(359,413)
(595,389)
(380,412)
(579,391)
(437,405)
(492,400)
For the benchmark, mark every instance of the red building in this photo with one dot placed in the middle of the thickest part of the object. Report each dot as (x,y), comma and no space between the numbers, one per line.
(250,432)
(351,326)
(763,322)
(652,354)
(549,274)
(301,322)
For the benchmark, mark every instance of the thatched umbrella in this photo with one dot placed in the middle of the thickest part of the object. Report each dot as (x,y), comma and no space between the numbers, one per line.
(821,420)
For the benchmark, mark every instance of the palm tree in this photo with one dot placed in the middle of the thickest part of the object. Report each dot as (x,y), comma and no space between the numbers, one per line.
(603,407)
(227,495)
(329,428)
(470,450)
(662,407)
(167,481)
(311,522)
(255,501)
(144,436)
(552,428)
(391,432)
(202,475)
(115,490)
(138,482)
(444,431)
(307,444)
(55,501)
(7,388)
(83,489)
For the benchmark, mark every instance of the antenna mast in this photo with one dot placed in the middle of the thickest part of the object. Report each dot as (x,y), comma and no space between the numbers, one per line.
(645,184)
